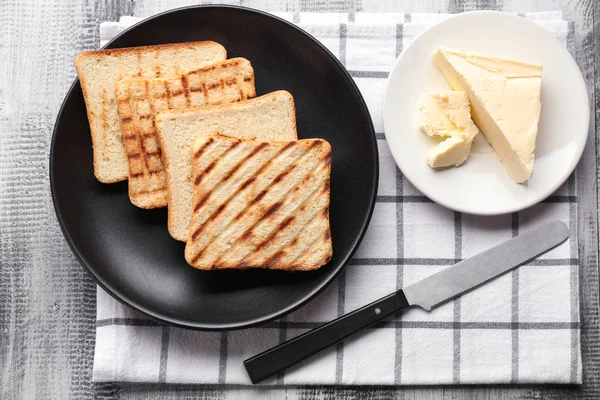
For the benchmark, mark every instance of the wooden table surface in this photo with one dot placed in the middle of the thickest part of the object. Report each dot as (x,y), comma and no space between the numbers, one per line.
(47,301)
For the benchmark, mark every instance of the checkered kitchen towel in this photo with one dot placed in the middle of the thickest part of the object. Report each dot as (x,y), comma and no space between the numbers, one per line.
(520,328)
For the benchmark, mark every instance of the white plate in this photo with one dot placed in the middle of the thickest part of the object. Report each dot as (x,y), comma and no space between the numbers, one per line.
(482,185)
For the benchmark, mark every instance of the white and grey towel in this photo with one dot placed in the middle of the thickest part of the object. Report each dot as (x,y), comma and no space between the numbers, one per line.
(521,328)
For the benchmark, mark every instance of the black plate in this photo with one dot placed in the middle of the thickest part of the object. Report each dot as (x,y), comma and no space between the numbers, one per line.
(129,251)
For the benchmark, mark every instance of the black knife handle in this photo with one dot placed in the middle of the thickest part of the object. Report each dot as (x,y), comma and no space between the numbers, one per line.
(297,349)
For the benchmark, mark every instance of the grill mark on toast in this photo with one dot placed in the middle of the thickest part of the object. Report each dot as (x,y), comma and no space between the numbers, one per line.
(272,210)
(212,217)
(131,137)
(186,90)
(151,191)
(201,202)
(245,159)
(327,185)
(273,259)
(126,120)
(167,94)
(328,234)
(280,152)
(257,198)
(242,265)
(199,152)
(246,235)
(151,154)
(282,175)
(316,143)
(247,79)
(197,257)
(142,174)
(203,173)
(270,238)
(198,231)
(218,211)
(285,223)
(328,159)
(236,167)
(134,156)
(247,182)
(233,146)
(287,146)
(210,166)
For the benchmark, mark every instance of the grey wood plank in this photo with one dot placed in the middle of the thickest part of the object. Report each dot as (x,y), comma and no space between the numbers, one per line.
(47,301)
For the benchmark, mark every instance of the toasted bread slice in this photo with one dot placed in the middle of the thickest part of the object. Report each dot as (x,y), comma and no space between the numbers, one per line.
(99,71)
(140,99)
(269,117)
(260,204)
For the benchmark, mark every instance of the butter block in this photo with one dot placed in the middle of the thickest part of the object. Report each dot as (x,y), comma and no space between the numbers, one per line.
(447,115)
(505,103)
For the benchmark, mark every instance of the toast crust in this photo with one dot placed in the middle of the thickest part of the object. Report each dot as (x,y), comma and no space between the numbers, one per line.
(139,100)
(137,49)
(115,170)
(260,204)
(281,97)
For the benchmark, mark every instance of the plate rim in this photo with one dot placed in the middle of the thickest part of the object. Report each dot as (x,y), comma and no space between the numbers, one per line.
(163,319)
(528,203)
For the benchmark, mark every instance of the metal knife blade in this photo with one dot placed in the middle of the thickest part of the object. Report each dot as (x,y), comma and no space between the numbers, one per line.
(477,270)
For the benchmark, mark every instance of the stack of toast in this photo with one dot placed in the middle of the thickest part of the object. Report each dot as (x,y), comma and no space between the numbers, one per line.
(183,125)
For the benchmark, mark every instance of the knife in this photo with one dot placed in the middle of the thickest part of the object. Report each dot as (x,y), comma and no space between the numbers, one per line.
(427,294)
